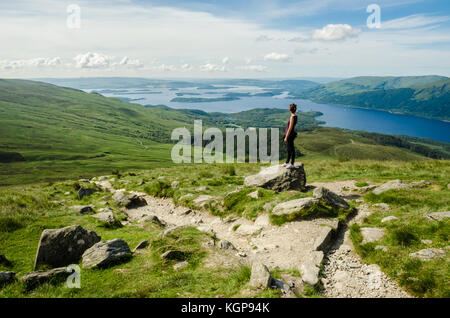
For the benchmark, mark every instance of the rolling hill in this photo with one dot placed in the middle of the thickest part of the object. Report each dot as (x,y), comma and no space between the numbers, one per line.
(426,96)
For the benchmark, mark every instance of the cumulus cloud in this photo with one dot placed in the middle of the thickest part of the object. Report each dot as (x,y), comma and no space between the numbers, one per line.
(35,62)
(335,32)
(225,60)
(92,60)
(209,67)
(254,68)
(126,62)
(277,57)
(166,68)
(187,67)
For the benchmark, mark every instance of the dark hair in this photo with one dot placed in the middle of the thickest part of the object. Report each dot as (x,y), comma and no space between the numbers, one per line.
(293,108)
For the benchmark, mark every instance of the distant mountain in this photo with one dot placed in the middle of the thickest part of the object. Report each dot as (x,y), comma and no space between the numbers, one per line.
(426,96)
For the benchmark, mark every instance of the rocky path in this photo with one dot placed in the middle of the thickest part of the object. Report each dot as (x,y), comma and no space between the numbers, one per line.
(286,247)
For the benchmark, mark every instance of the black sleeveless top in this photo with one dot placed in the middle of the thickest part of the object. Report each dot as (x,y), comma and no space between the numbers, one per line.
(293,128)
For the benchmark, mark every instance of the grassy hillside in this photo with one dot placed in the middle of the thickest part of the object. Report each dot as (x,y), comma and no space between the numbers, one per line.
(427,96)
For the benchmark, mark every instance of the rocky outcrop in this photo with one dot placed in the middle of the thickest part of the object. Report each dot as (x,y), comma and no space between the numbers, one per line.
(61,247)
(226,245)
(34,279)
(310,272)
(428,254)
(129,201)
(83,209)
(106,217)
(438,216)
(260,276)
(203,200)
(84,192)
(294,206)
(330,198)
(143,244)
(278,178)
(391,185)
(371,234)
(173,255)
(106,254)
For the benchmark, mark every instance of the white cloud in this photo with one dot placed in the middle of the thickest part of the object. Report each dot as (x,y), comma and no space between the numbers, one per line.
(413,21)
(225,60)
(335,32)
(254,68)
(166,68)
(298,39)
(248,60)
(126,62)
(36,62)
(92,60)
(277,57)
(187,67)
(264,38)
(209,67)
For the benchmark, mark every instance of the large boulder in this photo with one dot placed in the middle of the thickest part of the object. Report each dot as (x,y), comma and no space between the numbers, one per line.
(106,254)
(61,247)
(438,216)
(55,275)
(294,206)
(130,201)
(330,198)
(106,217)
(372,234)
(84,192)
(278,178)
(260,276)
(428,254)
(391,185)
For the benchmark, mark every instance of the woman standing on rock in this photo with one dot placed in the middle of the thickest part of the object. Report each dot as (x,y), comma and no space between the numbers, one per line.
(289,137)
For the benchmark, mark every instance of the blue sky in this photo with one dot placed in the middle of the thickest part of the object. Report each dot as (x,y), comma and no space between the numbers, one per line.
(258,39)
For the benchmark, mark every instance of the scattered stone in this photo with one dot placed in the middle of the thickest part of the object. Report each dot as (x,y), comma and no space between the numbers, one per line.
(278,178)
(438,216)
(381,247)
(366,188)
(84,192)
(181,265)
(371,234)
(105,186)
(389,218)
(383,206)
(202,200)
(55,275)
(107,217)
(428,254)
(226,245)
(294,206)
(152,218)
(173,255)
(7,278)
(268,206)
(421,183)
(175,184)
(186,196)
(391,185)
(282,286)
(310,272)
(170,230)
(260,277)
(83,208)
(254,194)
(427,242)
(202,188)
(141,245)
(129,201)
(248,229)
(330,198)
(106,254)
(61,247)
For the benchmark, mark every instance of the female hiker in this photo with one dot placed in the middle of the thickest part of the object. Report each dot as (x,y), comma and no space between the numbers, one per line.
(289,137)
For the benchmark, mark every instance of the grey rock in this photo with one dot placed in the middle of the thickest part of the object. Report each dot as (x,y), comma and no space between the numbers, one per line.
(61,247)
(323,239)
(381,247)
(181,265)
(391,185)
(107,217)
(141,245)
(294,206)
(268,206)
(84,192)
(428,254)
(188,195)
(330,198)
(371,234)
(226,245)
(388,219)
(201,188)
(438,216)
(427,242)
(278,178)
(154,219)
(175,184)
(202,200)
(262,220)
(254,194)
(248,229)
(130,201)
(260,276)
(173,255)
(105,186)
(281,285)
(34,279)
(170,230)
(383,206)
(106,254)
(7,278)
(310,272)
(83,209)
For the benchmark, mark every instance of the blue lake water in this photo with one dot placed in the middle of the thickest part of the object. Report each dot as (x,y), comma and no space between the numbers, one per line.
(333,115)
